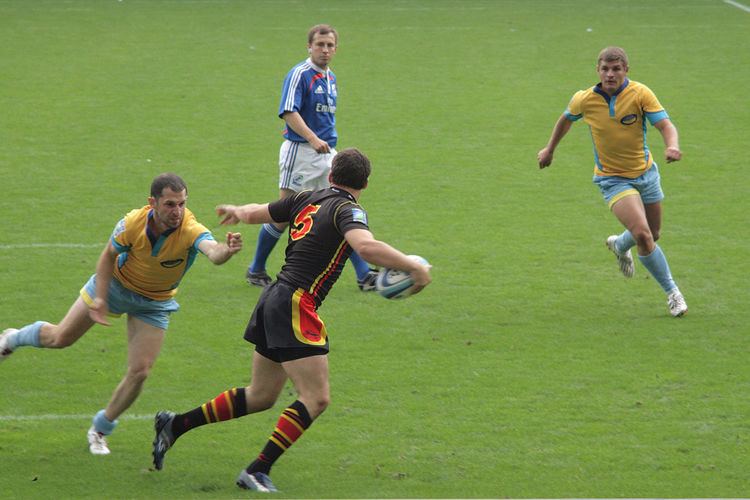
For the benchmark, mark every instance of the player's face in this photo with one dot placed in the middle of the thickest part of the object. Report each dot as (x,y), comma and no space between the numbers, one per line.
(612,75)
(169,208)
(322,49)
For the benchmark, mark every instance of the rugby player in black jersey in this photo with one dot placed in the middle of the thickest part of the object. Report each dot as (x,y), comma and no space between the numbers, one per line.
(290,338)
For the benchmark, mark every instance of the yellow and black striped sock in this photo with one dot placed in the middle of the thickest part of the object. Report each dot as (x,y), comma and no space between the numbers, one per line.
(226,406)
(292,423)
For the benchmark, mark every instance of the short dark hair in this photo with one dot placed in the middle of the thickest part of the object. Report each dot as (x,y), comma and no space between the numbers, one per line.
(350,168)
(322,29)
(168,180)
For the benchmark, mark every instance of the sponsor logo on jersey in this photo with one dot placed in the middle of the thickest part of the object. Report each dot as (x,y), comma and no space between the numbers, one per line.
(323,108)
(319,90)
(629,119)
(359,215)
(172,263)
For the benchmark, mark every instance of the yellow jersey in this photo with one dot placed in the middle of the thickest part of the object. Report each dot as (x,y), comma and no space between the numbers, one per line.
(153,266)
(618,126)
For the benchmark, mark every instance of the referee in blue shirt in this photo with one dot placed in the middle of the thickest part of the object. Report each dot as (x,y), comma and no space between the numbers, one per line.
(308,107)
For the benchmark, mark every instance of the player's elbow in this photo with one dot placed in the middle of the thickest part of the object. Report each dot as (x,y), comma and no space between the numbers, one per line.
(367,250)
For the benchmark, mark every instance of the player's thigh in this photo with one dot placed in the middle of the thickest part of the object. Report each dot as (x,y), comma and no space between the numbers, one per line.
(144,343)
(267,379)
(630,211)
(75,323)
(309,376)
(653,216)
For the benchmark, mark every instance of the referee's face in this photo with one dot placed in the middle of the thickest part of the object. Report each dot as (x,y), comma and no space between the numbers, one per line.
(322,49)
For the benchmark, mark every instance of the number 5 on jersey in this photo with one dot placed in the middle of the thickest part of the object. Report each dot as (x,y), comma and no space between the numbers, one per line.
(303,222)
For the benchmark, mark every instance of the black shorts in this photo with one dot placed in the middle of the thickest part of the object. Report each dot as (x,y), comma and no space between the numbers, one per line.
(285,325)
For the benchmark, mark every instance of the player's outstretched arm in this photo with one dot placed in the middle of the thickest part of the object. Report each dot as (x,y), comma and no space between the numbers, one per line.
(219,253)
(382,254)
(671,139)
(252,213)
(544,157)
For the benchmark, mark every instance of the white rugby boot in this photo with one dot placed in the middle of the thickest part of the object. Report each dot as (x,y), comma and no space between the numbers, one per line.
(97,442)
(257,481)
(625,260)
(5,349)
(676,303)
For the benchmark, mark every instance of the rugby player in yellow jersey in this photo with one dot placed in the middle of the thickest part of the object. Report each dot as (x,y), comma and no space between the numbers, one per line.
(616,110)
(137,274)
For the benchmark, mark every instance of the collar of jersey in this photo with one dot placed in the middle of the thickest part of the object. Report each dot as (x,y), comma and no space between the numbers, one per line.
(607,97)
(156,242)
(343,191)
(316,67)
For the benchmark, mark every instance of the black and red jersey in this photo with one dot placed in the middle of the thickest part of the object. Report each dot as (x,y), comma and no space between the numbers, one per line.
(317,250)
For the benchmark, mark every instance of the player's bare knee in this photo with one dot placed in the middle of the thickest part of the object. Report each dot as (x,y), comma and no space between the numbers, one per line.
(259,399)
(138,374)
(323,403)
(318,405)
(643,237)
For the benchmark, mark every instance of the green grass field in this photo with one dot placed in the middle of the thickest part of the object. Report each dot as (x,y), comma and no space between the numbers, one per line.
(529,368)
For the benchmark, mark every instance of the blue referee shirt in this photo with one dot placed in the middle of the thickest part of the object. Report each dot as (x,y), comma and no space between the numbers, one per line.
(311,91)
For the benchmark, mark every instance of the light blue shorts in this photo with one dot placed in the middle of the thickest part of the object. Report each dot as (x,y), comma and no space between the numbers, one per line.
(648,186)
(124,301)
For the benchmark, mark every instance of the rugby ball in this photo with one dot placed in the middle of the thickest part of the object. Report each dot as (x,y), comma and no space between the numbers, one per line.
(395,284)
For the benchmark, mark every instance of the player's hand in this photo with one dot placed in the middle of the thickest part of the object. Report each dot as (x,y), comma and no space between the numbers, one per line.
(673,154)
(234,242)
(228,214)
(544,157)
(320,146)
(421,277)
(98,311)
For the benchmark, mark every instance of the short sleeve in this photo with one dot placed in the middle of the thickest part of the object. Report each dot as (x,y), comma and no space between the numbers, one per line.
(119,237)
(350,216)
(651,106)
(574,111)
(291,93)
(202,237)
(196,232)
(281,210)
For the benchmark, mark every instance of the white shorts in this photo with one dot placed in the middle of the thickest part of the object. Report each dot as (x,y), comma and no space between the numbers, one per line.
(301,167)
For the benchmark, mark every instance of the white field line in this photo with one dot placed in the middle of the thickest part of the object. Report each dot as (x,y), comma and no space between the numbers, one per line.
(738,5)
(22,246)
(31,418)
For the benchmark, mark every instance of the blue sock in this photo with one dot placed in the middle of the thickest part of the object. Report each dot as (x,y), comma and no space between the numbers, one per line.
(102,424)
(267,238)
(656,263)
(28,335)
(360,266)
(624,242)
